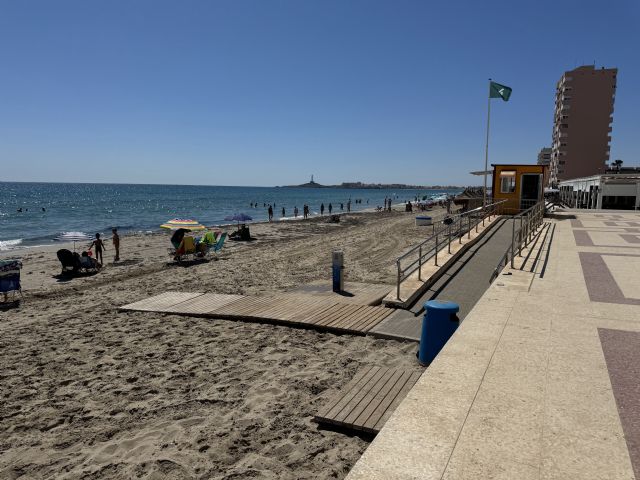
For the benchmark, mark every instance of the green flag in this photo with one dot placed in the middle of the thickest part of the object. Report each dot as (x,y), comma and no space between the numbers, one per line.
(499,91)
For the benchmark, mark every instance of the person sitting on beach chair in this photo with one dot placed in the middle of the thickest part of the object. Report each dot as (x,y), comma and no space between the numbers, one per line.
(187,246)
(88,263)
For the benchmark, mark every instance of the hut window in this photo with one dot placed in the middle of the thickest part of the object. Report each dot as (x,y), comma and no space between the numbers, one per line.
(507,182)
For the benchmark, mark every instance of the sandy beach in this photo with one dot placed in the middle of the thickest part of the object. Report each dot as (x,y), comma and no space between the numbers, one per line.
(90,392)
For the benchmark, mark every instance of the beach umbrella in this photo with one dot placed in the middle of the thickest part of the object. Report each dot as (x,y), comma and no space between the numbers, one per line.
(177,223)
(238,217)
(73,237)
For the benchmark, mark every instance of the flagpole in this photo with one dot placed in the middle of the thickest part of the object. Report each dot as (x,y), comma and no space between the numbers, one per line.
(486,149)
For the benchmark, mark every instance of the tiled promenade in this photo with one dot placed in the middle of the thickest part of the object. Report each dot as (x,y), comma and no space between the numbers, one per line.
(542,379)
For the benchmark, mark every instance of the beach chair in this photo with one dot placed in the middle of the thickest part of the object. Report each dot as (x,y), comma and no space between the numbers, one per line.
(10,279)
(87,263)
(187,247)
(218,245)
(70,263)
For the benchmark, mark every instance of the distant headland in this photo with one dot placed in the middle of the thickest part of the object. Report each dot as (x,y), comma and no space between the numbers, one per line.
(372,186)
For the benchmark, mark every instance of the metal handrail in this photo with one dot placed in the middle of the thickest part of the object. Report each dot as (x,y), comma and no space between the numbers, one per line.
(459,225)
(529,220)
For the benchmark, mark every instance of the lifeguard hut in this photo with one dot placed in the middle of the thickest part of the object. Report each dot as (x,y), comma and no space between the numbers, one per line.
(520,185)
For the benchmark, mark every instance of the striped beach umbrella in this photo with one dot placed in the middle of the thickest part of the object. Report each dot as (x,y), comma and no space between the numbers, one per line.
(186,223)
(73,237)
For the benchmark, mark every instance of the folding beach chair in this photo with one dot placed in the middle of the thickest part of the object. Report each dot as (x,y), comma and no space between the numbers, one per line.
(187,247)
(218,245)
(10,279)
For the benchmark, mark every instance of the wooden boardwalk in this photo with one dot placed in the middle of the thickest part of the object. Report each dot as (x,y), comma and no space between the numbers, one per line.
(290,309)
(354,292)
(368,401)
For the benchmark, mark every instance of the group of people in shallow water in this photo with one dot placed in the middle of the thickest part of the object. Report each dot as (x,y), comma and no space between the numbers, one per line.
(19,210)
(306,211)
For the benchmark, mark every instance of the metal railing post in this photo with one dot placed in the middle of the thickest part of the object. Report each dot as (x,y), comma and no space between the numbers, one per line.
(449,235)
(513,239)
(460,232)
(398,286)
(469,227)
(436,254)
(420,264)
(520,239)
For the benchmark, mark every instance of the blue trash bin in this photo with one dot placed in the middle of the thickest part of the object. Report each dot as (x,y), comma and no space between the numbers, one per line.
(439,323)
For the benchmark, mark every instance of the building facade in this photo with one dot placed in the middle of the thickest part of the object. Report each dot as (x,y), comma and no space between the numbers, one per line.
(618,191)
(582,123)
(544,157)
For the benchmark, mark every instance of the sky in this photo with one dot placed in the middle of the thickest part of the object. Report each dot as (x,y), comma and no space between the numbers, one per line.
(268,92)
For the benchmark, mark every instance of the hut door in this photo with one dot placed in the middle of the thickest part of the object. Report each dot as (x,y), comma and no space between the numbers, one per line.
(529,190)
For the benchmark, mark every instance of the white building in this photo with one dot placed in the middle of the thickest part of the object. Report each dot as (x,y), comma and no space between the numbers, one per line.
(618,191)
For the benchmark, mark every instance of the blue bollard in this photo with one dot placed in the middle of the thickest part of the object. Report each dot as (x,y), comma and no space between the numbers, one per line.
(438,324)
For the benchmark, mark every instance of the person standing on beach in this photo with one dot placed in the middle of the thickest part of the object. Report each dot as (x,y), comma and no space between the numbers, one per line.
(389,204)
(116,244)
(295,212)
(283,211)
(99,247)
(330,208)
(342,207)
(270,211)
(322,209)
(349,206)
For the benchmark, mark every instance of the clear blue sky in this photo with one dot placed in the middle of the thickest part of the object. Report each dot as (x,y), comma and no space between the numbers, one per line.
(267,92)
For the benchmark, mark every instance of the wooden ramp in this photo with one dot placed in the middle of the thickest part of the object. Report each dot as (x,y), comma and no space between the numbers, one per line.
(289,309)
(161,302)
(354,292)
(368,401)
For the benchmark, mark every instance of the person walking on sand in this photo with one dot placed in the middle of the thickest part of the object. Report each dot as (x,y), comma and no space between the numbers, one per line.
(270,211)
(116,244)
(99,244)
(330,208)
(322,209)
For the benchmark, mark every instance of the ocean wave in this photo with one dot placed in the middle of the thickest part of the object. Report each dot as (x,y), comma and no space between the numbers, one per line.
(9,244)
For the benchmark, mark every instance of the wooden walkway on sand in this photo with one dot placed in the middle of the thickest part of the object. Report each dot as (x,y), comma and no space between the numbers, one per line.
(354,292)
(368,401)
(292,309)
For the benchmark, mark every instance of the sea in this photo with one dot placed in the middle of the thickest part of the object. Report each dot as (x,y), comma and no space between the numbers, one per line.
(35,214)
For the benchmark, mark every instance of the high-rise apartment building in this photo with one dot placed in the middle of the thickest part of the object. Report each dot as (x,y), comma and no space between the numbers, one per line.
(582,123)
(544,157)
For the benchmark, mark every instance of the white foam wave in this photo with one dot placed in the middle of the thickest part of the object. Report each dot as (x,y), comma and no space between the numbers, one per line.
(9,244)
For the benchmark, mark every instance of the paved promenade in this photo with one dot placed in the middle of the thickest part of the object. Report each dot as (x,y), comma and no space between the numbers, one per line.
(541,381)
